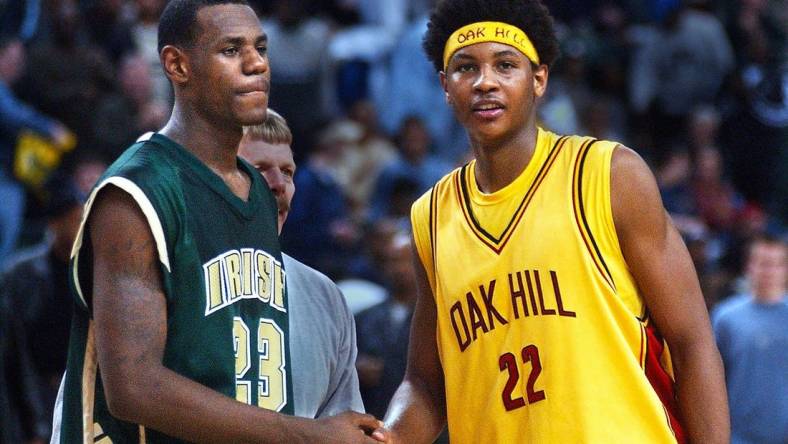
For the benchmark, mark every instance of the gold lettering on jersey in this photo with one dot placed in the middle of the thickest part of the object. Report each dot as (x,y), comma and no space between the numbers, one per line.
(246,257)
(264,281)
(279,288)
(245,274)
(528,294)
(234,278)
(213,284)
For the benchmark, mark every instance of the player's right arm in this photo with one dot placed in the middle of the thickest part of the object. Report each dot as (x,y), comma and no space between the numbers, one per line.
(417,412)
(130,316)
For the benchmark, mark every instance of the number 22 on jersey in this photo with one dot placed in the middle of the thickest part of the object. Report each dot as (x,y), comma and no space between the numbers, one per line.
(271,374)
(508,361)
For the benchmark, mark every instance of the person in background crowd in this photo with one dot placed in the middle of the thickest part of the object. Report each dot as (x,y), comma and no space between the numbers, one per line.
(67,75)
(14,117)
(384,328)
(123,116)
(752,337)
(323,346)
(414,163)
(321,231)
(37,307)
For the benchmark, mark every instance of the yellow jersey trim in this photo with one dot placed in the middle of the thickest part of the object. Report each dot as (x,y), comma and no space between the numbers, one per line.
(580,216)
(463,178)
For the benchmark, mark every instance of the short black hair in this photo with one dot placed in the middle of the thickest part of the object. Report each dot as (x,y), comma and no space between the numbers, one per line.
(531,16)
(178,20)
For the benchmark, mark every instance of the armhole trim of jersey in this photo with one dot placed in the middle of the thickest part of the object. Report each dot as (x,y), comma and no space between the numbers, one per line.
(580,215)
(147,209)
(433,228)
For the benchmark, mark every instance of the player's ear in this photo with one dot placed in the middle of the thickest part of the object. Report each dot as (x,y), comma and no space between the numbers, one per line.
(541,73)
(175,63)
(442,78)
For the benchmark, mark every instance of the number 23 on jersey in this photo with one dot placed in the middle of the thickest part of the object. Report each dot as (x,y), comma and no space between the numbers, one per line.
(271,369)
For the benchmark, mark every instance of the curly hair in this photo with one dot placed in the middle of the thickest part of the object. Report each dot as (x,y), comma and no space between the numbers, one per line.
(531,16)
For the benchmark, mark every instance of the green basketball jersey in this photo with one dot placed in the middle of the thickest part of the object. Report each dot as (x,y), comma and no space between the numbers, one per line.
(222,274)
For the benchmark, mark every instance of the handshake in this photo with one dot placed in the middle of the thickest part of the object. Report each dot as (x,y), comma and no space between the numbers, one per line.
(347,427)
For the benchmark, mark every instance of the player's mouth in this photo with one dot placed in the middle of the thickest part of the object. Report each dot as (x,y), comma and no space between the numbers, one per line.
(488,109)
(260,87)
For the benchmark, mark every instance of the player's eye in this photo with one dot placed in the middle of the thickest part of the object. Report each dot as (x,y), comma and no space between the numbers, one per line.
(465,67)
(262,50)
(231,51)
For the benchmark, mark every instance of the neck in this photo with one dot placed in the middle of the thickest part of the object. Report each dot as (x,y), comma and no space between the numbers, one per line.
(769,295)
(215,144)
(498,164)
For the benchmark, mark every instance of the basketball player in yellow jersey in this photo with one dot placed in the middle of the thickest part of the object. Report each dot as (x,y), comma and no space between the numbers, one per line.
(557,302)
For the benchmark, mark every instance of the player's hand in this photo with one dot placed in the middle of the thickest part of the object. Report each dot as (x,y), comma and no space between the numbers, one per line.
(348,427)
(383,434)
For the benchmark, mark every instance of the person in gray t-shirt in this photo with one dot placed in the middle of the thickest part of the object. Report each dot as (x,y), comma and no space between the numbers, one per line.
(323,347)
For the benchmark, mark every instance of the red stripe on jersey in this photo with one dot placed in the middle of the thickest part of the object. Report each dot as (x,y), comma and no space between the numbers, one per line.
(661,381)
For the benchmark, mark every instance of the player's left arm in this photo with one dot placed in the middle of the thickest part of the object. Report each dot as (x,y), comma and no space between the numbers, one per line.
(662,268)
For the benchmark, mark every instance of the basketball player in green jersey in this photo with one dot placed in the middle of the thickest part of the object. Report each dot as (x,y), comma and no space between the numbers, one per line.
(181,326)
(582,221)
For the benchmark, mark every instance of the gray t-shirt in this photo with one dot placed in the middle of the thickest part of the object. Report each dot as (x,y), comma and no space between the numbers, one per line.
(322,344)
(322,347)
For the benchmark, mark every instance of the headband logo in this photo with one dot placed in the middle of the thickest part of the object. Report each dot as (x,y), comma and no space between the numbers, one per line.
(516,37)
(481,32)
(472,34)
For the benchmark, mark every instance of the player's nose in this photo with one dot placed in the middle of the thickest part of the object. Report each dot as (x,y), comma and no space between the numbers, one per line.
(486,79)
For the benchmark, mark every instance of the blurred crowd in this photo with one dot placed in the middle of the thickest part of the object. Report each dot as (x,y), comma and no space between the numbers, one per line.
(698,87)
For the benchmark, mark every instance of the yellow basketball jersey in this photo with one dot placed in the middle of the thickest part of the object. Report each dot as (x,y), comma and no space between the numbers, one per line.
(541,331)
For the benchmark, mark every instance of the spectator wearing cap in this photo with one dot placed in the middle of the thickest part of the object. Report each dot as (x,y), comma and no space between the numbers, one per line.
(36,314)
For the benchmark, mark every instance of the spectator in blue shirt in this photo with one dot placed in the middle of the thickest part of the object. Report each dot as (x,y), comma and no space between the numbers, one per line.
(14,117)
(752,337)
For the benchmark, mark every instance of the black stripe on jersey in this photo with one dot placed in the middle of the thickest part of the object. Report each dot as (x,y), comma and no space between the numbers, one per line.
(526,197)
(433,230)
(583,155)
